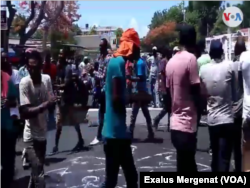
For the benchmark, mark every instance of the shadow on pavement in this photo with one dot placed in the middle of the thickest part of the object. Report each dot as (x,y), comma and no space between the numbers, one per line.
(21,182)
(51,160)
(154,140)
(86,148)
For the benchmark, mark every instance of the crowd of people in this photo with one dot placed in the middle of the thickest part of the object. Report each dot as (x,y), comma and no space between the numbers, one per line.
(187,81)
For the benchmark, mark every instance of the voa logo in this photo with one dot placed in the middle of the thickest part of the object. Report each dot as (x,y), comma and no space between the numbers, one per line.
(232,16)
(233,179)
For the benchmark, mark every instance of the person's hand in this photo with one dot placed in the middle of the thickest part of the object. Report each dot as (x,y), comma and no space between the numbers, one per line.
(14,117)
(52,99)
(4,102)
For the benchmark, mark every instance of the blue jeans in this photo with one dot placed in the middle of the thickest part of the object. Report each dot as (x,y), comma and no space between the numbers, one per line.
(154,90)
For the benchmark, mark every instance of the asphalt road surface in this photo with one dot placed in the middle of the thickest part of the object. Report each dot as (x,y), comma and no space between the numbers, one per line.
(86,169)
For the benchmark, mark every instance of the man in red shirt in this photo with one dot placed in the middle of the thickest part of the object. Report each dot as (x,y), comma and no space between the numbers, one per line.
(49,68)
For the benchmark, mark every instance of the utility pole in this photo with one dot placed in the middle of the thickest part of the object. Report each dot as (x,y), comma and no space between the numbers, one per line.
(183,11)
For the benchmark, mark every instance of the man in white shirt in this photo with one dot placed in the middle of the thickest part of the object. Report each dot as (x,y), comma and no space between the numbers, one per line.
(82,65)
(153,75)
(245,71)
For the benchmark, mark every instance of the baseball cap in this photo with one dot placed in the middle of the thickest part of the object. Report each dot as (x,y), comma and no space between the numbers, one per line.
(154,48)
(176,48)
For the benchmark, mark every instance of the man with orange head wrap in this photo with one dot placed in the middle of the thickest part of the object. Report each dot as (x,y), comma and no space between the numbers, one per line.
(117,140)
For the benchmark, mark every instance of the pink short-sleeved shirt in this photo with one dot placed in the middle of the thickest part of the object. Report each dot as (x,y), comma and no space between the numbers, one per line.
(181,73)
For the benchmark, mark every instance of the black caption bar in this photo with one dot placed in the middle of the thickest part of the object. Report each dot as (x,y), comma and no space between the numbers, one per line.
(160,179)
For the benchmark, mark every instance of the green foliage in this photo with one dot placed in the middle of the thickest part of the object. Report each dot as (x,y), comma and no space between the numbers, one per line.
(93,30)
(58,38)
(173,14)
(76,30)
(38,34)
(118,32)
(205,16)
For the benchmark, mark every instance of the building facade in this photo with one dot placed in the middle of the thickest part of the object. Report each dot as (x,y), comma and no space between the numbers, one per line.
(93,41)
(99,30)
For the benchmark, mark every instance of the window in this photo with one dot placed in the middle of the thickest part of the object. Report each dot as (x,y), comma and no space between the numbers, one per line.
(114,41)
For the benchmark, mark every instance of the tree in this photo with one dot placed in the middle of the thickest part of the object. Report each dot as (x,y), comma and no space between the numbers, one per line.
(172,14)
(245,7)
(76,29)
(208,11)
(58,38)
(12,12)
(33,19)
(163,35)
(175,14)
(146,47)
(191,18)
(118,32)
(93,30)
(38,34)
(63,23)
(219,25)
(43,15)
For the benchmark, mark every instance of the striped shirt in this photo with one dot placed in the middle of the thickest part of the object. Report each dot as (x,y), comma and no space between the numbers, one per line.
(36,127)
(162,81)
(101,73)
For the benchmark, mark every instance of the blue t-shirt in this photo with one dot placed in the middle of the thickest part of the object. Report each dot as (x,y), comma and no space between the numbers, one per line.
(6,120)
(115,124)
(141,70)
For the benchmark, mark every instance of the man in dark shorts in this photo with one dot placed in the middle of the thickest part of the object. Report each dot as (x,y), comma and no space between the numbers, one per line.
(67,79)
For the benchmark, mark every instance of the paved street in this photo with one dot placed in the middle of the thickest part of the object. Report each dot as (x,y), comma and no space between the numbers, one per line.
(86,169)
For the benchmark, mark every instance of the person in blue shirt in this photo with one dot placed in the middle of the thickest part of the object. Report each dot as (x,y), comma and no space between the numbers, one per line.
(9,96)
(116,138)
(141,87)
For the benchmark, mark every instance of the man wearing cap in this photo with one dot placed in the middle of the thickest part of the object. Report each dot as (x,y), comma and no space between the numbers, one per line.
(117,141)
(175,50)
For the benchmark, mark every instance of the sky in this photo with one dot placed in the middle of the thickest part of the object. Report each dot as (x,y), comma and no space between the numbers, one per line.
(124,14)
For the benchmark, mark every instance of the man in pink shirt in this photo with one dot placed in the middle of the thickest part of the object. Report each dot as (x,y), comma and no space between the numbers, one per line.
(183,91)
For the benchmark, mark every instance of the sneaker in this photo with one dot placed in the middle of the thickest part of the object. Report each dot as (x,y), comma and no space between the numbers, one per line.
(54,150)
(210,152)
(95,142)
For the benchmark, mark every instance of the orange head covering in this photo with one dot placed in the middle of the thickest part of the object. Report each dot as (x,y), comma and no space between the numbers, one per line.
(128,39)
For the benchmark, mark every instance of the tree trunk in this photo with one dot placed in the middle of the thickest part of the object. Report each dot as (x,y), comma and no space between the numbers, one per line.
(23,39)
(45,37)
